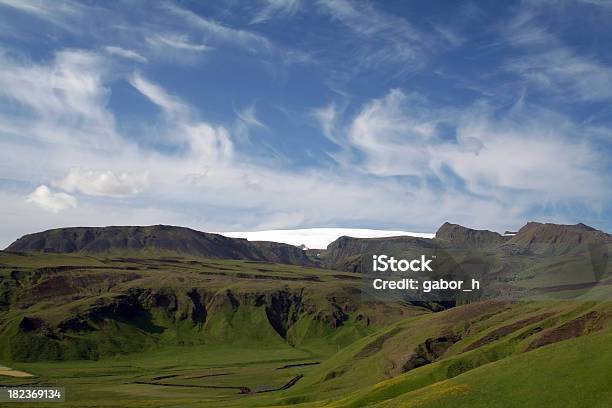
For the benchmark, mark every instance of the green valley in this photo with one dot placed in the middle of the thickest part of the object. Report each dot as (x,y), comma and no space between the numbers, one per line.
(123,327)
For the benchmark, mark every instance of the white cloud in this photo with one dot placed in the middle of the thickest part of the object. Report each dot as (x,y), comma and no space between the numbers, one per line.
(534,151)
(598,3)
(564,72)
(524,153)
(275,8)
(206,141)
(44,198)
(396,141)
(551,65)
(170,104)
(223,33)
(177,41)
(326,118)
(125,53)
(208,185)
(104,183)
(220,35)
(69,92)
(247,120)
(388,38)
(60,15)
(523,29)
(451,36)
(248,115)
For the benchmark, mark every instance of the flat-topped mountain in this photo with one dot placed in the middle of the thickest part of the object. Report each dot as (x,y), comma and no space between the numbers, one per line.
(156,239)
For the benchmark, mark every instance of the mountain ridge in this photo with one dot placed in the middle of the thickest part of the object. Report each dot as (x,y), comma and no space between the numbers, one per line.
(557,238)
(162,239)
(136,304)
(459,235)
(343,253)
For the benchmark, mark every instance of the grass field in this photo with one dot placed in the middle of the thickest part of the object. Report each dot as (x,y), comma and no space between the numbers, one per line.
(173,332)
(173,377)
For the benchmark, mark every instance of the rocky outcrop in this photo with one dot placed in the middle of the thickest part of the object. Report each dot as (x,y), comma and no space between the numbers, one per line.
(458,236)
(283,309)
(430,350)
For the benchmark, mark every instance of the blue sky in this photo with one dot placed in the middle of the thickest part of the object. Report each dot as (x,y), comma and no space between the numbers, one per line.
(270,114)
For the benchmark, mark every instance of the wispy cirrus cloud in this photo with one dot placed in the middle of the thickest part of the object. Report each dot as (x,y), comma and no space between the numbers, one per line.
(225,36)
(61,15)
(450,35)
(326,117)
(170,104)
(70,90)
(205,140)
(395,143)
(564,72)
(389,38)
(246,121)
(125,53)
(493,155)
(551,65)
(230,36)
(164,143)
(275,8)
(176,41)
(248,115)
(240,191)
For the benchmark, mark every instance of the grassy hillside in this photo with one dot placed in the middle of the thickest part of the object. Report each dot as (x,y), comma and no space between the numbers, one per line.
(503,367)
(573,373)
(180,332)
(93,307)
